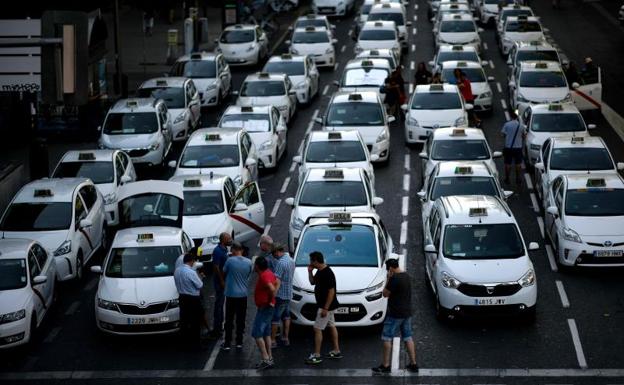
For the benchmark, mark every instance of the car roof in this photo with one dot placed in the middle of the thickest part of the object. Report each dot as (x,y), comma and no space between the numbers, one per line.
(451,47)
(168,82)
(583,181)
(374,63)
(312,16)
(458,133)
(162,236)
(536,45)
(380,24)
(135,105)
(243,27)
(234,109)
(543,65)
(580,141)
(333,174)
(460,209)
(453,6)
(456,16)
(225,136)
(286,57)
(509,7)
(103,155)
(460,64)
(62,190)
(202,55)
(348,97)
(530,19)
(312,29)
(14,248)
(555,108)
(265,76)
(323,136)
(454,168)
(200,181)
(433,88)
(387,7)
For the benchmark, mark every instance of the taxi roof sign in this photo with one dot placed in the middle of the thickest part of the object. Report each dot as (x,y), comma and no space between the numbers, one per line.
(192,183)
(333,173)
(536,43)
(462,64)
(541,65)
(86,156)
(458,48)
(477,212)
(196,56)
(374,52)
(286,56)
(367,63)
(263,75)
(334,135)
(378,24)
(43,193)
(355,96)
(458,132)
(161,83)
(463,170)
(145,237)
(311,16)
(386,5)
(436,87)
(453,6)
(310,28)
(247,109)
(555,107)
(457,17)
(596,182)
(132,103)
(340,216)
(577,140)
(522,17)
(213,137)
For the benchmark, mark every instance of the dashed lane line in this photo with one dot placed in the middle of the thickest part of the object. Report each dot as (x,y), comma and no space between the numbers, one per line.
(485,46)
(507,116)
(411,88)
(407,164)
(285,185)
(396,351)
(403,238)
(413,47)
(267,228)
(406,182)
(503,104)
(551,258)
(312,121)
(52,335)
(580,356)
(415,17)
(72,308)
(540,224)
(212,358)
(499,87)
(325,89)
(529,182)
(276,207)
(405,206)
(293,165)
(343,48)
(414,31)
(534,202)
(492,66)
(412,65)
(562,294)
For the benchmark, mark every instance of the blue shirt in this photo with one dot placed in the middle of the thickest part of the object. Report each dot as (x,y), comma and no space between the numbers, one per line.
(219,256)
(509,128)
(187,281)
(284,270)
(237,270)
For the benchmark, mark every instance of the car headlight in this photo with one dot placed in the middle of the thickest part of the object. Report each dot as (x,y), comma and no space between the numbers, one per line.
(473,41)
(449,281)
(329,51)
(211,87)
(110,198)
(154,146)
(108,305)
(283,109)
(521,99)
(528,279)
(173,303)
(383,136)
(251,47)
(12,317)
(301,86)
(297,224)
(214,239)
(460,121)
(535,147)
(568,98)
(266,145)
(484,95)
(570,235)
(294,51)
(181,117)
(63,249)
(375,287)
(238,180)
(411,121)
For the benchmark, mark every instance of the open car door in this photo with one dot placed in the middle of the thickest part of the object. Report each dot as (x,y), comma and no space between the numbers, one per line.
(151,203)
(247,213)
(588,96)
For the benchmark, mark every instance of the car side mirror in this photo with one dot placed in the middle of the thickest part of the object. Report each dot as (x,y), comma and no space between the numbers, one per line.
(172,164)
(250,162)
(434,30)
(240,206)
(431,249)
(292,92)
(480,30)
(431,63)
(318,120)
(408,24)
(374,157)
(497,154)
(591,126)
(84,223)
(125,179)
(334,41)
(391,119)
(620,166)
(533,246)
(539,166)
(377,201)
(336,83)
(468,106)
(575,85)
(198,265)
(38,280)
(291,28)
(491,79)
(96,269)
(235,93)
(507,194)
(423,155)
(552,210)
(288,42)
(290,201)
(484,63)
(422,195)
(297,159)
(99,128)
(512,84)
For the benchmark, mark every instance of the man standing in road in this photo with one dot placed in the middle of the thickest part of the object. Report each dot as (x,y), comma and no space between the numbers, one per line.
(324,282)
(264,297)
(219,256)
(398,317)
(512,153)
(188,283)
(237,270)
(266,249)
(284,270)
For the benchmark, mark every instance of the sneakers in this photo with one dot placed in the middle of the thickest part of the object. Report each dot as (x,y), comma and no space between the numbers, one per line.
(381,369)
(412,368)
(334,355)
(265,364)
(239,345)
(313,359)
(225,347)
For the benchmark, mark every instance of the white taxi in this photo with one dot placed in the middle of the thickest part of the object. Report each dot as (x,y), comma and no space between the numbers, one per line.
(301,71)
(264,89)
(266,127)
(182,100)
(362,75)
(66,216)
(213,205)
(584,219)
(488,9)
(330,189)
(479,82)
(27,290)
(316,42)
(452,143)
(461,53)
(313,20)
(108,169)
(519,28)
(356,246)
(572,155)
(243,44)
(210,73)
(476,260)
(333,7)
(385,54)
(378,35)
(431,107)
(392,12)
(458,29)
(327,149)
(222,151)
(450,9)
(543,121)
(538,82)
(141,127)
(510,10)
(532,51)
(365,113)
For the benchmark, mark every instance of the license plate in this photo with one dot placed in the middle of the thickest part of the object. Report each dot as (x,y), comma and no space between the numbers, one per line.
(143,321)
(342,310)
(608,253)
(489,301)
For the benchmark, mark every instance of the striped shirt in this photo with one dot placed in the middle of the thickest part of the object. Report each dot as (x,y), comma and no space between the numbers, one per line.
(284,270)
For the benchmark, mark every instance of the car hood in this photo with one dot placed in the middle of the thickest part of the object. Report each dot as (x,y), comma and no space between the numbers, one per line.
(368,133)
(260,137)
(296,79)
(544,95)
(176,111)
(202,83)
(234,49)
(137,290)
(348,278)
(311,49)
(14,300)
(596,226)
(458,37)
(202,226)
(479,87)
(130,142)
(50,240)
(487,270)
(362,164)
(443,118)
(246,101)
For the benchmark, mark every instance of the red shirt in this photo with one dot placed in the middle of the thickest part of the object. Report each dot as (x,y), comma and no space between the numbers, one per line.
(466,90)
(262,294)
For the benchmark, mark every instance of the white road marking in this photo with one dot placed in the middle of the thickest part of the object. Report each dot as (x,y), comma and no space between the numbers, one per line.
(406,182)
(507,116)
(413,47)
(528,180)
(534,202)
(562,294)
(492,66)
(580,356)
(92,283)
(414,31)
(411,88)
(485,46)
(415,6)
(293,165)
(300,148)
(405,206)
(311,124)
(72,308)
(212,358)
(407,164)
(403,238)
(285,185)
(52,335)
(396,351)
(350,32)
(276,207)
(551,258)
(267,228)
(499,87)
(325,89)
(503,104)
(540,224)
(412,65)
(415,17)
(343,48)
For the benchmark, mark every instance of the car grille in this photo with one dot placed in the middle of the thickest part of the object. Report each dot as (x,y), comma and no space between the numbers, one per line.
(309,312)
(143,328)
(602,244)
(138,153)
(590,259)
(503,289)
(150,309)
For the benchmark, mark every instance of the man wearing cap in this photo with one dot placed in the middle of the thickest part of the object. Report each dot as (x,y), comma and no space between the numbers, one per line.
(189,283)
(237,270)
(284,270)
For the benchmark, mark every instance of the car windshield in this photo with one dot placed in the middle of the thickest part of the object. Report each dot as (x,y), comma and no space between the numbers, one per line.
(13,274)
(557,123)
(378,34)
(203,202)
(310,37)
(302,23)
(364,77)
(341,245)
(355,114)
(250,122)
(515,12)
(458,26)
(475,75)
(333,193)
(457,56)
(150,209)
(199,69)
(397,17)
(173,96)
(130,123)
(527,26)
(142,262)
(238,36)
(581,159)
(32,216)
(542,79)
(263,88)
(218,155)
(290,68)
(491,241)
(502,2)
(471,149)
(595,202)
(463,185)
(436,101)
(541,55)
(98,172)
(335,151)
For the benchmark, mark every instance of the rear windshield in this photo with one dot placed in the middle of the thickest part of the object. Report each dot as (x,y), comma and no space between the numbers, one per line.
(130,123)
(557,123)
(397,17)
(458,56)
(463,185)
(250,122)
(310,37)
(238,36)
(581,159)
(377,34)
(457,26)
(98,172)
(541,55)
(263,88)
(333,193)
(529,26)
(173,96)
(38,216)
(143,262)
(199,69)
(355,114)
(436,101)
(475,75)
(203,202)
(335,151)
(290,68)
(542,79)
(218,155)
(471,149)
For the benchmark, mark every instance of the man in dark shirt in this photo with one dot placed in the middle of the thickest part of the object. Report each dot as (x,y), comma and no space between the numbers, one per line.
(324,282)
(398,317)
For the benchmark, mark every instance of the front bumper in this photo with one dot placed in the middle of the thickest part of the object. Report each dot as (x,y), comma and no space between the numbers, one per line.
(209,98)
(418,134)
(584,254)
(117,323)
(325,59)
(112,214)
(16,333)
(330,11)
(247,58)
(459,303)
(482,104)
(268,158)
(145,156)
(303,97)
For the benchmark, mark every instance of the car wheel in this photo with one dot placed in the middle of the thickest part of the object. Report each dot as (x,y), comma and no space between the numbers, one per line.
(79,267)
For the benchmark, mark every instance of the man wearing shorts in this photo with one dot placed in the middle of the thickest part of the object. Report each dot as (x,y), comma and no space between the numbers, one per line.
(512,153)
(264,296)
(398,320)
(324,282)
(284,269)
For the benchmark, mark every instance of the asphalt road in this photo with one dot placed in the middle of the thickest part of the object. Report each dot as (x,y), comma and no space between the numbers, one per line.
(492,351)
